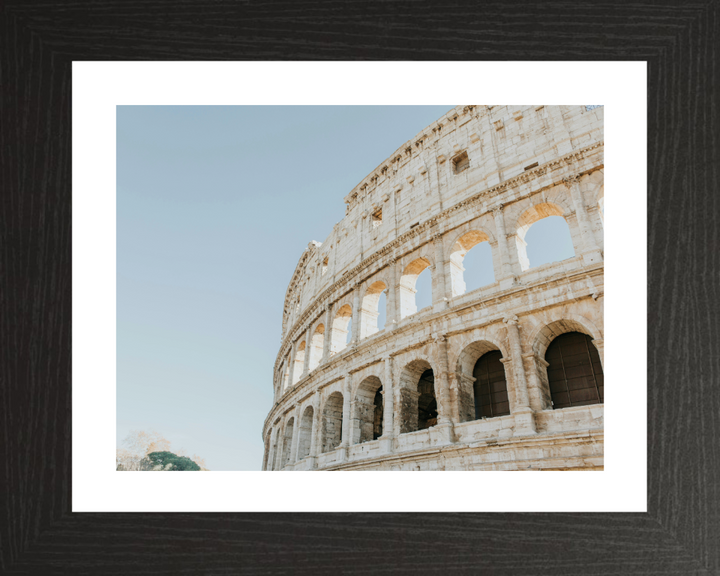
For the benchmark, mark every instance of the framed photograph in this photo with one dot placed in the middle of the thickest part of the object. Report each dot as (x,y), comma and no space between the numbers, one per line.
(482,380)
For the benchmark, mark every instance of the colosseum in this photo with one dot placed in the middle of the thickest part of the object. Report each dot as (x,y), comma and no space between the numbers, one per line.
(507,376)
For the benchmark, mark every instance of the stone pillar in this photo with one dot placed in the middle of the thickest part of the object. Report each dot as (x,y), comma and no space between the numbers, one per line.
(291,376)
(271,453)
(397,407)
(520,402)
(446,414)
(507,276)
(538,395)
(296,435)
(590,251)
(393,297)
(355,316)
(388,407)
(267,446)
(317,425)
(440,299)
(327,337)
(306,360)
(347,386)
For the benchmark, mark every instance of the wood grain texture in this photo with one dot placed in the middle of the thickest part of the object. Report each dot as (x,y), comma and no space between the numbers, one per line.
(681,532)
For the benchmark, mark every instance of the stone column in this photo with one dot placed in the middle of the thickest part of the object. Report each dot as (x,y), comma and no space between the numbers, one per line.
(590,250)
(393,311)
(520,402)
(327,337)
(291,364)
(268,445)
(440,300)
(507,275)
(397,407)
(388,407)
(306,360)
(347,386)
(538,396)
(355,316)
(462,395)
(317,425)
(271,453)
(296,435)
(279,462)
(446,415)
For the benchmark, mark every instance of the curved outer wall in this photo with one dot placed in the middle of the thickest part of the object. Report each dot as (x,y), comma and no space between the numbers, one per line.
(480,173)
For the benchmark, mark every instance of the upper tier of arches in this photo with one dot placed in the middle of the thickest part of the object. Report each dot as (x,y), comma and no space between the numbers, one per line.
(472,151)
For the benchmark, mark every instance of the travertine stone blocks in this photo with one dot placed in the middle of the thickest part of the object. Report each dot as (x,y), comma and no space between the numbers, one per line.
(479,174)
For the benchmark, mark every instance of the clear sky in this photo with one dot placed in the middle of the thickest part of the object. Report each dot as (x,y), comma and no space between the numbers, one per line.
(215,205)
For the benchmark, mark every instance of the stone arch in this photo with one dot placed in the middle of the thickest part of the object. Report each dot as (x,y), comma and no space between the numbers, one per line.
(299,363)
(316,346)
(368,416)
(340,324)
(406,288)
(466,381)
(541,336)
(305,432)
(418,397)
(332,422)
(575,375)
(287,442)
(369,308)
(527,219)
(458,250)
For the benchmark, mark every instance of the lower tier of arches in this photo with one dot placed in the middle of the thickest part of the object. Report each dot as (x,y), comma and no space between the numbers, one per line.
(467,374)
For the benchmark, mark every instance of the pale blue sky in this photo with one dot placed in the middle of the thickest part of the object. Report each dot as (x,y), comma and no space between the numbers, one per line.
(202,268)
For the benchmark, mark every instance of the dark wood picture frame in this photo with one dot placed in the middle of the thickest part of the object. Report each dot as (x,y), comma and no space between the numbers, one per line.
(680,533)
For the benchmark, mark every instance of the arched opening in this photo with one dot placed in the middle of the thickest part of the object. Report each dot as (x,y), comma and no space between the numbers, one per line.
(490,386)
(418,403)
(382,310)
(548,241)
(305,431)
(316,346)
(427,403)
(299,363)
(472,253)
(465,375)
(341,329)
(574,371)
(332,422)
(369,311)
(413,295)
(287,442)
(369,410)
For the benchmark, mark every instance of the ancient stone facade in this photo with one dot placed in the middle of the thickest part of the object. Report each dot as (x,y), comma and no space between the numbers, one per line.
(505,377)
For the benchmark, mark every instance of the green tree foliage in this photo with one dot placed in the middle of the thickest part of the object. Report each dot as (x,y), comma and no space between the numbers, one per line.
(167,461)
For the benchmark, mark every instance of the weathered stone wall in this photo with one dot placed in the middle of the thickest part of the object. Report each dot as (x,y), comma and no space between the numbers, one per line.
(479,174)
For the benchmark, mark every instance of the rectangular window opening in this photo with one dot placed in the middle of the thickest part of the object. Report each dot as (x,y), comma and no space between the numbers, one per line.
(461,162)
(377,218)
